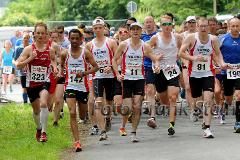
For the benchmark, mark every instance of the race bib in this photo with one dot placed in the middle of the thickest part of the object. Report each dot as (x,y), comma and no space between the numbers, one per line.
(201,66)
(7,69)
(38,73)
(73,80)
(234,73)
(171,72)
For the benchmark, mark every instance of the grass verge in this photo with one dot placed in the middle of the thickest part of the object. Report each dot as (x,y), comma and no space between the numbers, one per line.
(17,135)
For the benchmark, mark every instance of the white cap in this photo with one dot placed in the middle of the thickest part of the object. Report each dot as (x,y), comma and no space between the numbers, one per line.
(136,24)
(189,18)
(98,21)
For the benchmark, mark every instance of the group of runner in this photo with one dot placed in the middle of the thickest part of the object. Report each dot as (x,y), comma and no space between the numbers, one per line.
(138,63)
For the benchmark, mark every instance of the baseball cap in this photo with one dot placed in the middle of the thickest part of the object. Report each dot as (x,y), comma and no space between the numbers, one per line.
(136,24)
(98,21)
(191,18)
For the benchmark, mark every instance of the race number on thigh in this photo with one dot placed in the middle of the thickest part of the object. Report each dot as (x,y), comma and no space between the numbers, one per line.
(233,73)
(38,73)
(7,69)
(171,72)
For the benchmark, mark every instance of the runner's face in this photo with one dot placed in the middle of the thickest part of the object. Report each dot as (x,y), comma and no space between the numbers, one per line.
(26,39)
(123,34)
(203,26)
(149,24)
(54,37)
(40,34)
(136,32)
(234,26)
(60,33)
(191,25)
(213,26)
(166,25)
(75,40)
(98,29)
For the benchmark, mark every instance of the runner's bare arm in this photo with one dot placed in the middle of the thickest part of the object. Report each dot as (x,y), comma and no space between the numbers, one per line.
(89,58)
(185,46)
(53,60)
(153,41)
(117,55)
(148,52)
(63,57)
(113,46)
(218,58)
(26,56)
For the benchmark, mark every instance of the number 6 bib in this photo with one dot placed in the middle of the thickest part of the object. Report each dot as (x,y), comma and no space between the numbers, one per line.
(38,73)
(171,72)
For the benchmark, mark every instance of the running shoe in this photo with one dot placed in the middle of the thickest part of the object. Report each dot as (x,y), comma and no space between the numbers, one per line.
(171,130)
(55,124)
(38,135)
(222,119)
(43,137)
(94,131)
(134,138)
(122,132)
(207,133)
(103,136)
(77,146)
(237,127)
(151,123)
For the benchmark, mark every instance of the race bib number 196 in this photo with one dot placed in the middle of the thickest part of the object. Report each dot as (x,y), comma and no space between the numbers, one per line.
(233,73)
(38,73)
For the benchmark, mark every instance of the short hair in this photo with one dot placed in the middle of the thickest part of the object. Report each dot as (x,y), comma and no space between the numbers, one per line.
(60,27)
(75,31)
(170,15)
(81,26)
(219,23)
(107,25)
(238,15)
(88,31)
(202,19)
(213,19)
(42,24)
(124,26)
(166,16)
(132,19)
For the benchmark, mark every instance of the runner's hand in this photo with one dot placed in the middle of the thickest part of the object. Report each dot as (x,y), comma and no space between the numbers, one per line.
(80,74)
(120,77)
(156,69)
(107,69)
(200,58)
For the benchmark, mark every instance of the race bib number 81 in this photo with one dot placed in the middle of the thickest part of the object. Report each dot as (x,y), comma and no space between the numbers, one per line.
(202,66)
(38,73)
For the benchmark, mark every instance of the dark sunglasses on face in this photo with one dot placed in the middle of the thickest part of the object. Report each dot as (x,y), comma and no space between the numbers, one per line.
(167,24)
(88,39)
(191,22)
(61,32)
(121,32)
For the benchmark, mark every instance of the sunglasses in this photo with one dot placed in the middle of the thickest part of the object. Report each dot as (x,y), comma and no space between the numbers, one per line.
(167,24)
(121,32)
(61,32)
(191,22)
(88,39)
(128,25)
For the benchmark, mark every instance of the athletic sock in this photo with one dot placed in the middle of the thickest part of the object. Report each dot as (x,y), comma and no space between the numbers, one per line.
(172,123)
(44,118)
(25,98)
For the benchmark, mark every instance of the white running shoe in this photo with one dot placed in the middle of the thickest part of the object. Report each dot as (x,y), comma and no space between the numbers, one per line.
(134,138)
(193,116)
(207,133)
